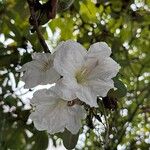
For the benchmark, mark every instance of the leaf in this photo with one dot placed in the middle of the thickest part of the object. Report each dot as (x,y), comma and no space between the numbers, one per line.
(16,139)
(41,141)
(26,58)
(88,11)
(6,60)
(11,101)
(121,88)
(116,5)
(14,29)
(65,25)
(69,140)
(64,4)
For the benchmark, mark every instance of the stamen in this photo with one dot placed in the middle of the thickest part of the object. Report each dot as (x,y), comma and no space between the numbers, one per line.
(46,65)
(70,103)
(75,101)
(83,73)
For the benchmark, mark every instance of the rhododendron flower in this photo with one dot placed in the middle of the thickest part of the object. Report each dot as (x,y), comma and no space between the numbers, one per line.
(63,91)
(40,70)
(87,73)
(53,114)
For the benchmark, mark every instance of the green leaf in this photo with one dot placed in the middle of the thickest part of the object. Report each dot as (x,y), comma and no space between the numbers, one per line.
(26,58)
(15,139)
(88,11)
(121,88)
(6,60)
(116,5)
(65,25)
(69,140)
(11,101)
(41,141)
(64,4)
(14,29)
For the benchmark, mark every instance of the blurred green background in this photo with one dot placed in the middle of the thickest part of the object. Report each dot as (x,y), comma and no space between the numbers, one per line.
(124,25)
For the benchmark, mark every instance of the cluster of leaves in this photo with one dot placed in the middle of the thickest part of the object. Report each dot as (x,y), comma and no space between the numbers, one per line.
(124,25)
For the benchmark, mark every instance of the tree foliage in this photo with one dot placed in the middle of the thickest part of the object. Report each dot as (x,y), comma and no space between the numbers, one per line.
(125,26)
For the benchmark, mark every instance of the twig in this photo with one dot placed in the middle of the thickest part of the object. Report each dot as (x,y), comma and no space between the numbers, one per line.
(106,127)
(40,36)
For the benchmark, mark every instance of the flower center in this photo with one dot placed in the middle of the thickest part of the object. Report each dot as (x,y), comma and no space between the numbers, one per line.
(46,65)
(62,103)
(82,75)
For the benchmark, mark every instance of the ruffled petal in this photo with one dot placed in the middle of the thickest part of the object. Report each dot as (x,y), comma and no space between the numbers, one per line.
(48,118)
(87,95)
(32,78)
(76,114)
(44,97)
(69,57)
(88,92)
(105,70)
(53,114)
(39,117)
(70,82)
(64,92)
(100,87)
(42,56)
(40,71)
(99,50)
(51,76)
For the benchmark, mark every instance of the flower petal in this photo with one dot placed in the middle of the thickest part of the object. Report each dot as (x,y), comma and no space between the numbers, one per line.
(31,78)
(48,118)
(87,95)
(76,113)
(70,82)
(43,97)
(53,114)
(64,92)
(69,57)
(51,76)
(39,71)
(100,87)
(105,70)
(99,50)
(42,56)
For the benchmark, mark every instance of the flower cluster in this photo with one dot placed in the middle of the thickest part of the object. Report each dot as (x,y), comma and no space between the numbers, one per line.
(79,75)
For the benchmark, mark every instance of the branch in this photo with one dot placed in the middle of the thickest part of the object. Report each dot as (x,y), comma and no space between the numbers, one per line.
(39,34)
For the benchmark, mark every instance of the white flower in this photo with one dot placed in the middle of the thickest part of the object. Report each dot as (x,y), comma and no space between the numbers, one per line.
(87,73)
(39,71)
(53,114)
(64,92)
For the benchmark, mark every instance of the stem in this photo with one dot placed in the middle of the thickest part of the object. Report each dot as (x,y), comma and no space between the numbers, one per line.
(106,128)
(39,34)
